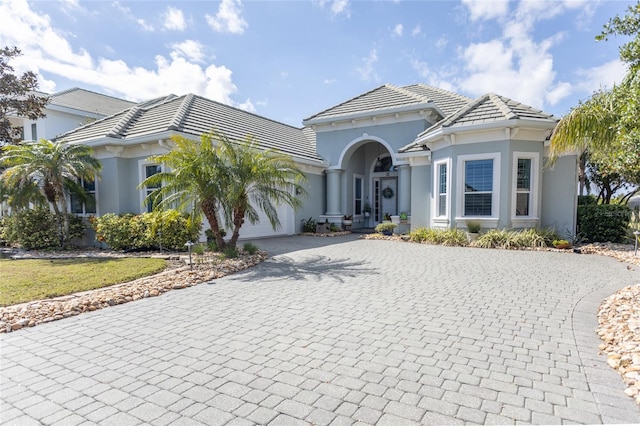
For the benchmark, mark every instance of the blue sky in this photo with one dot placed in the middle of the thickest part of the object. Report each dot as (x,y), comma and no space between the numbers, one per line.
(287,60)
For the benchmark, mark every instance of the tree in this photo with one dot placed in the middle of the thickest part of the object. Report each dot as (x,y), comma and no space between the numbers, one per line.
(50,171)
(605,126)
(17,97)
(227,181)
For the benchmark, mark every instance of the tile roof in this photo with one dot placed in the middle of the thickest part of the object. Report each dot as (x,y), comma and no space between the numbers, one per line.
(194,115)
(489,108)
(88,101)
(389,96)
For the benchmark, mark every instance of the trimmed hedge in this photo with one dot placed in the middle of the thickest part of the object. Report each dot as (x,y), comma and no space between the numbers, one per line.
(37,229)
(603,222)
(148,231)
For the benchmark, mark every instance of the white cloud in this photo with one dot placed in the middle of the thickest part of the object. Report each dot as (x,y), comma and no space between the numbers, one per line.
(442,79)
(367,71)
(485,10)
(339,7)
(329,80)
(416,31)
(441,43)
(47,51)
(174,19)
(397,30)
(516,64)
(247,106)
(146,26)
(604,76)
(189,49)
(229,18)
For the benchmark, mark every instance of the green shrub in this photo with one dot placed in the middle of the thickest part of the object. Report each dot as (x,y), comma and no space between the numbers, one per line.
(586,200)
(309,225)
(445,237)
(474,226)
(603,222)
(250,248)
(38,229)
(516,239)
(167,229)
(385,227)
(230,253)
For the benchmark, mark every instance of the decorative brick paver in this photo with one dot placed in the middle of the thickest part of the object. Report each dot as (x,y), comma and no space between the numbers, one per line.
(346,331)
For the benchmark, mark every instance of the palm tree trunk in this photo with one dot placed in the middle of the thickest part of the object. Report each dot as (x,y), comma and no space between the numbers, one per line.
(238,220)
(211,213)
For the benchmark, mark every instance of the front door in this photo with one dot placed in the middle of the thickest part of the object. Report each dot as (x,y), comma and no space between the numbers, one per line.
(385,197)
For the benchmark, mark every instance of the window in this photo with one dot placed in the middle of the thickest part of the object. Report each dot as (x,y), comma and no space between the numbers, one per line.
(523,187)
(478,187)
(150,170)
(357,194)
(525,172)
(87,206)
(440,209)
(34,132)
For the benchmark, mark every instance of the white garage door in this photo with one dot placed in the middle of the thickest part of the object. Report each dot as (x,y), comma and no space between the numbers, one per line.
(264,229)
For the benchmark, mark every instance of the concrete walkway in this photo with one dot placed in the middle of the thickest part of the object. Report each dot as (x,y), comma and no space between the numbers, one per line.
(336,331)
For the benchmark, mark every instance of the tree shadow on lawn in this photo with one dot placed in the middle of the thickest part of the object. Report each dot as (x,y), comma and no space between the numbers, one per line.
(310,268)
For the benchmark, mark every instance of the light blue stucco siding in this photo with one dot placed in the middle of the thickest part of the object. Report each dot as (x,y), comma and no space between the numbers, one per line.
(421,186)
(313,203)
(330,145)
(503,152)
(559,196)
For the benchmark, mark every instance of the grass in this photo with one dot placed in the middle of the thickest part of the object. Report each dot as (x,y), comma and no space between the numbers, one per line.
(35,279)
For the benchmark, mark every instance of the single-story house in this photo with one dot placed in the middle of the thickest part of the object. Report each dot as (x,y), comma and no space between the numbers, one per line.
(439,157)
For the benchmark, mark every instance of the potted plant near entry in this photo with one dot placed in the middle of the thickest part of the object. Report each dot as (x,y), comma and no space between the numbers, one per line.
(386,217)
(347,221)
(561,244)
(367,210)
(404,217)
(473,230)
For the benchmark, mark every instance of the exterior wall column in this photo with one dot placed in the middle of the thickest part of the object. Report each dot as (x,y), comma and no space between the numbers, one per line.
(404,188)
(333,191)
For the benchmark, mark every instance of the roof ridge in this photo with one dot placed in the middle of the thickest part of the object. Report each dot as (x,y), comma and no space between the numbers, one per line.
(128,117)
(73,89)
(348,100)
(441,91)
(411,94)
(181,112)
(502,106)
(463,110)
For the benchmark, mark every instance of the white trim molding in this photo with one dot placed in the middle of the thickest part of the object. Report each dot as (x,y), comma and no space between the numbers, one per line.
(441,221)
(531,219)
(490,221)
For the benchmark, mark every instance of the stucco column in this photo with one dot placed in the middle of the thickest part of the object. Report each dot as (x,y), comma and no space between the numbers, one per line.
(404,188)
(333,191)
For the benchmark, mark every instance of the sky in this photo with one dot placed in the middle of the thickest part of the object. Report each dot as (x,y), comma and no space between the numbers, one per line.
(287,60)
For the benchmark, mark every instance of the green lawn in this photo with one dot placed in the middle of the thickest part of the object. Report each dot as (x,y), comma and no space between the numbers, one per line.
(27,280)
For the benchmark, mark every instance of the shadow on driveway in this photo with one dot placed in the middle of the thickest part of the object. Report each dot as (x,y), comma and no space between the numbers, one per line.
(312,268)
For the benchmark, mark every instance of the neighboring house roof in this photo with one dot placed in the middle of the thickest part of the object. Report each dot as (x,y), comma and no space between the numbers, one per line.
(194,115)
(389,97)
(484,110)
(88,101)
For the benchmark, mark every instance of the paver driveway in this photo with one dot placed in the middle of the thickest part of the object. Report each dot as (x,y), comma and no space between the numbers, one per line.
(336,331)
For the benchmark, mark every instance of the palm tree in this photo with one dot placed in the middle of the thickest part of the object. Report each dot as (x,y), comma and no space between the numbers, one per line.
(48,169)
(227,181)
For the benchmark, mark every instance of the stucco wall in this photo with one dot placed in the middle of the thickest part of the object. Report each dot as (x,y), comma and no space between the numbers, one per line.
(559,196)
(421,184)
(313,203)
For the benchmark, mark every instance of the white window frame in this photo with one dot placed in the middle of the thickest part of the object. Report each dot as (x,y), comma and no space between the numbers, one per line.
(530,220)
(144,191)
(355,180)
(438,220)
(84,204)
(487,221)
